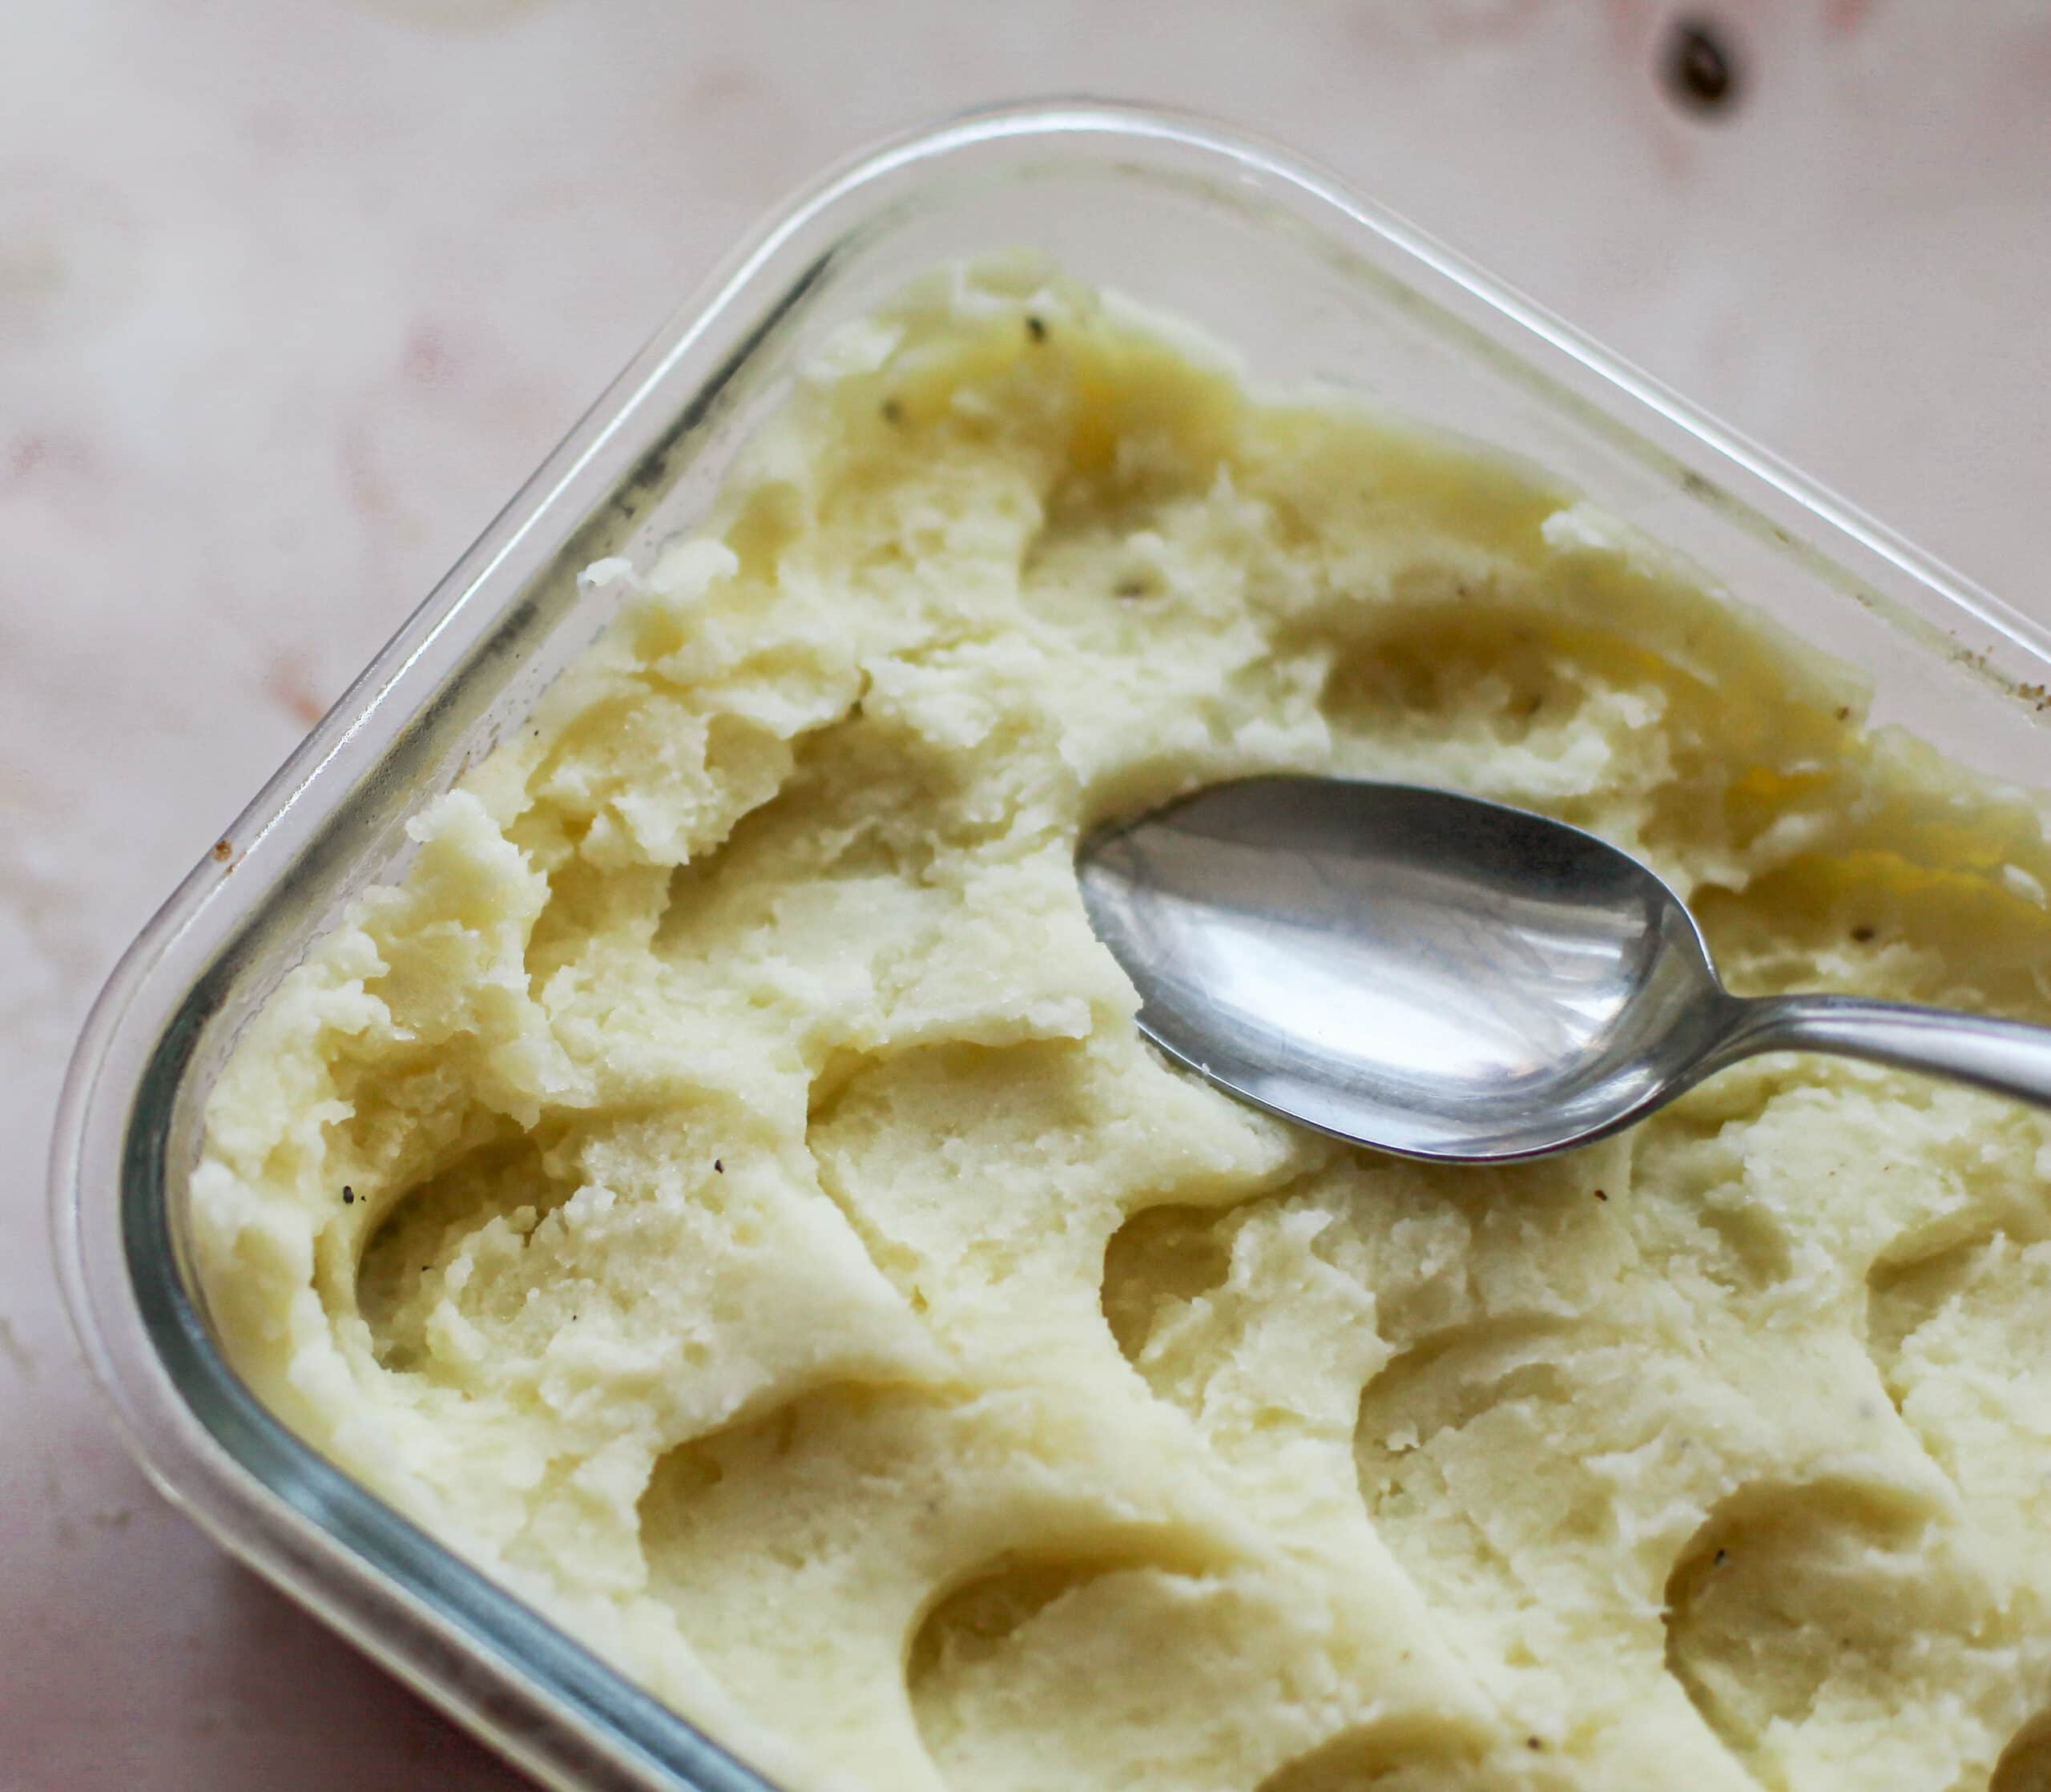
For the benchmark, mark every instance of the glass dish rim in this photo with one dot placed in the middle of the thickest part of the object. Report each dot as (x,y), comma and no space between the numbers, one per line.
(619,1735)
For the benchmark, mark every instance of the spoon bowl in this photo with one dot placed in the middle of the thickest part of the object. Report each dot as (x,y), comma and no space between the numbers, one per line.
(1445,977)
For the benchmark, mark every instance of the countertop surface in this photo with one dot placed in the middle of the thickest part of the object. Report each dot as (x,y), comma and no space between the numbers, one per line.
(292,297)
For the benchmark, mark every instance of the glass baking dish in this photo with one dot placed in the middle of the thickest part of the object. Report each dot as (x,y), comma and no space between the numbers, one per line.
(1312,284)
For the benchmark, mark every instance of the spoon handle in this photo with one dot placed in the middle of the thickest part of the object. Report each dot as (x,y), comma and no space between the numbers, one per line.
(2007,1056)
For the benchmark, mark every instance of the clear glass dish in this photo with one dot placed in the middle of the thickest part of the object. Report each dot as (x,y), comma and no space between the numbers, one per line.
(1311,284)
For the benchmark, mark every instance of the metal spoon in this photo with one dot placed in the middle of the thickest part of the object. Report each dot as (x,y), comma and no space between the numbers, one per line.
(1445,977)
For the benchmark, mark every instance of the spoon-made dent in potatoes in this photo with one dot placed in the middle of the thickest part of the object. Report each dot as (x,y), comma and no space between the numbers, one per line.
(1446,977)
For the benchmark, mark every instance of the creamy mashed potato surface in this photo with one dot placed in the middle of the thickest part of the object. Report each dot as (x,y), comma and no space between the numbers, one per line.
(720,1188)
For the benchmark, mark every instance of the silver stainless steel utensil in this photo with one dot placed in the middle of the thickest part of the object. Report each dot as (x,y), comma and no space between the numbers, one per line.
(1445,977)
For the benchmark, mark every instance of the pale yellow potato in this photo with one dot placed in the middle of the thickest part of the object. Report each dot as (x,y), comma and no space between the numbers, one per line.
(720,1190)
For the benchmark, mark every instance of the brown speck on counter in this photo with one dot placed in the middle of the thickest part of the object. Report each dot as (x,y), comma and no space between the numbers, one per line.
(223,851)
(1700,72)
(289,684)
(1036,327)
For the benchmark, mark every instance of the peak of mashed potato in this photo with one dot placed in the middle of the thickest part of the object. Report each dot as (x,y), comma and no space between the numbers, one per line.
(720,1190)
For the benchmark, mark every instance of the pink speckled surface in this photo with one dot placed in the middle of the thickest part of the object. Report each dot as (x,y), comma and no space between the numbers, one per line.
(292,296)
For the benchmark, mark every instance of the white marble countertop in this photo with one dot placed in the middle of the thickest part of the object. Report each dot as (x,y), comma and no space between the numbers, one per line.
(292,297)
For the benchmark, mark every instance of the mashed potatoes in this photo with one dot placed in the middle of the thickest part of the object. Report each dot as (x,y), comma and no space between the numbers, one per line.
(720,1189)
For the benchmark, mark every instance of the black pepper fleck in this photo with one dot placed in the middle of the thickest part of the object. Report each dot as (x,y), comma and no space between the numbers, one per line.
(1844,712)
(1700,70)
(1862,933)
(1721,1556)
(1130,588)
(348,1195)
(1037,329)
(893,412)
(1601,1195)
(1533,1742)
(719,1166)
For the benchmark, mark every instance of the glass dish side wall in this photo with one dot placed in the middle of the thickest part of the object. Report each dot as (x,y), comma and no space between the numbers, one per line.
(1309,285)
